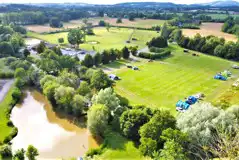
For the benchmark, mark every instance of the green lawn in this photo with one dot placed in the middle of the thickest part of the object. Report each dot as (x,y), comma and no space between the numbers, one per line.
(220,16)
(162,84)
(4,129)
(115,38)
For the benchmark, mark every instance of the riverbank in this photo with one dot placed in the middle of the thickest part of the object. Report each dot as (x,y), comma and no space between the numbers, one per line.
(5,104)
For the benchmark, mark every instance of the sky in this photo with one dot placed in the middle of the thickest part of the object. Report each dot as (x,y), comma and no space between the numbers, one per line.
(106,1)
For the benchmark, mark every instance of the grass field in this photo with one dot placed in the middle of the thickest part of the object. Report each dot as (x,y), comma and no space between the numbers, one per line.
(115,38)
(221,15)
(4,129)
(142,23)
(161,84)
(210,29)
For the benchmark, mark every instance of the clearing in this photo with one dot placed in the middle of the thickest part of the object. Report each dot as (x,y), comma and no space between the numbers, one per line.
(210,29)
(163,83)
(116,38)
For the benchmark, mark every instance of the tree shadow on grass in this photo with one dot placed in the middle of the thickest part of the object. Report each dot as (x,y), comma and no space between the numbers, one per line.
(114,140)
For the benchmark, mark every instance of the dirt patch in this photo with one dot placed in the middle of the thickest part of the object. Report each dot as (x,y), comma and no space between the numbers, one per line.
(210,29)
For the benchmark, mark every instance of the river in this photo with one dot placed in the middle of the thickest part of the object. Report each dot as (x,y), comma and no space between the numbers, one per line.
(53,136)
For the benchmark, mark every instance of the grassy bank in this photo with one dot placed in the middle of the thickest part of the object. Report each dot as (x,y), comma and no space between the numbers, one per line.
(5,130)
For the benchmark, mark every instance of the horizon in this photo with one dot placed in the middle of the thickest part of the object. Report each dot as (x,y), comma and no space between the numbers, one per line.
(105,2)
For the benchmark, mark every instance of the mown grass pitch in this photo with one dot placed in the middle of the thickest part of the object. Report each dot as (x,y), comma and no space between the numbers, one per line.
(160,84)
(116,38)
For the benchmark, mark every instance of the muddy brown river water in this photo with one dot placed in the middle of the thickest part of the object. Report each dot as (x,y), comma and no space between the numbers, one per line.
(53,136)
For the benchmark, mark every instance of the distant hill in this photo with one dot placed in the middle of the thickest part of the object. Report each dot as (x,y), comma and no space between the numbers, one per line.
(225,3)
(148,4)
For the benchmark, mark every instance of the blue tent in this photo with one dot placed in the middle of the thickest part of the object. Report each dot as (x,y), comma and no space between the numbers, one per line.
(182,105)
(191,100)
(220,77)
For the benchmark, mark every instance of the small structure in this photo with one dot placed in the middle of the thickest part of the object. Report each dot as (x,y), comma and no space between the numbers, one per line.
(220,77)
(114,77)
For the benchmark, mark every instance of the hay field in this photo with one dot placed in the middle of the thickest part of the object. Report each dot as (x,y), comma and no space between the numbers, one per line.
(210,29)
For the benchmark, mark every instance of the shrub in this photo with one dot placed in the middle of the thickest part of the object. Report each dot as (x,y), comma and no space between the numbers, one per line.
(154,56)
(6,74)
(159,42)
(9,123)
(7,139)
(6,151)
(16,94)
(156,50)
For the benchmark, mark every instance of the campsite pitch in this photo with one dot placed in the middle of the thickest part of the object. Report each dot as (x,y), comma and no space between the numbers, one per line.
(161,84)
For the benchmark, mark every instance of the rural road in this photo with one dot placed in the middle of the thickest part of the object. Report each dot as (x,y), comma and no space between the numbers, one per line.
(5,85)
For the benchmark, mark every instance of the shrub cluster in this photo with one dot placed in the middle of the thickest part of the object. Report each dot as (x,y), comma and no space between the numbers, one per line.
(154,55)
(6,75)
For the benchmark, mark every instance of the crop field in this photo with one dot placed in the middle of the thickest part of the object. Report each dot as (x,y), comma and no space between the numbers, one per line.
(115,38)
(210,29)
(160,84)
(142,23)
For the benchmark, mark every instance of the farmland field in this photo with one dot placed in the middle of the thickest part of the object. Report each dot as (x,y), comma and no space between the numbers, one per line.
(147,23)
(210,29)
(115,38)
(162,83)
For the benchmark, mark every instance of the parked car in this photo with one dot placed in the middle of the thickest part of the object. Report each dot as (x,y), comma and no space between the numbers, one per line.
(235,66)
(135,68)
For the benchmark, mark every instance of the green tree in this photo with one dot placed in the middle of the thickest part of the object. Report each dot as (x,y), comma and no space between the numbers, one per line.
(60,40)
(84,88)
(119,20)
(6,49)
(134,50)
(159,42)
(76,37)
(68,79)
(97,119)
(108,98)
(19,155)
(31,153)
(147,146)
(160,121)
(78,105)
(88,61)
(102,23)
(100,80)
(26,52)
(55,22)
(5,151)
(125,53)
(172,151)
(64,96)
(107,27)
(49,90)
(131,121)
(41,47)
(165,32)
(97,59)
(105,57)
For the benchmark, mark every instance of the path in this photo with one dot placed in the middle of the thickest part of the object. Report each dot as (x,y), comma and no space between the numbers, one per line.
(5,85)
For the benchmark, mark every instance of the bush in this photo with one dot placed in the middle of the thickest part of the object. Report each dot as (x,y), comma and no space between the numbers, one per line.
(159,42)
(9,123)
(16,94)
(6,151)
(7,139)
(156,50)
(6,74)
(154,56)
